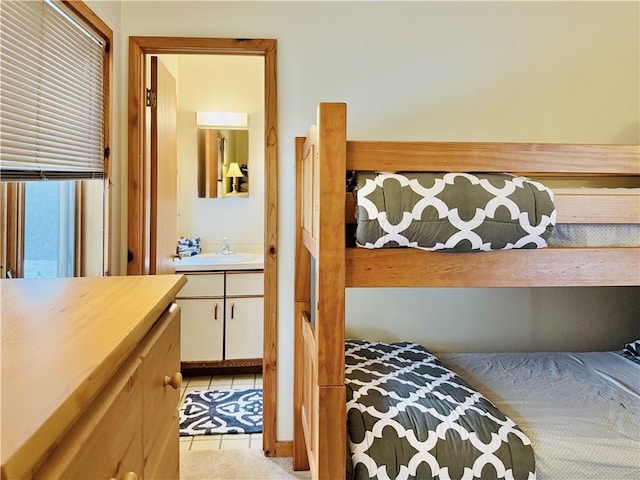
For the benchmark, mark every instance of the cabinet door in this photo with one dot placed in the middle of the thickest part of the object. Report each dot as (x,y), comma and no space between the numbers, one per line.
(202,329)
(244,328)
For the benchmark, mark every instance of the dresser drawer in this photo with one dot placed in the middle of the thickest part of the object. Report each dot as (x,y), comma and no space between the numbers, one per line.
(90,449)
(245,283)
(160,364)
(205,285)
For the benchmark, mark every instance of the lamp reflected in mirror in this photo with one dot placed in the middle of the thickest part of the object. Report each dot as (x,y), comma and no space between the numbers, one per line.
(235,174)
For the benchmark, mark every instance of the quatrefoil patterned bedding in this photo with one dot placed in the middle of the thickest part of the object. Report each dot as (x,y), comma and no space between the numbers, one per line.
(410,417)
(455,212)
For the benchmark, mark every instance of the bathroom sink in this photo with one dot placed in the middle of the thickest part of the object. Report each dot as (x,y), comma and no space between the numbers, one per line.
(220,261)
(215,259)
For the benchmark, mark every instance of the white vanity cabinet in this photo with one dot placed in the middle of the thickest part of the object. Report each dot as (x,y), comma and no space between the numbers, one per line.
(222,319)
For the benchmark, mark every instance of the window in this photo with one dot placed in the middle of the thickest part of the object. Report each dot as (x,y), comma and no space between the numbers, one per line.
(54,135)
(49,229)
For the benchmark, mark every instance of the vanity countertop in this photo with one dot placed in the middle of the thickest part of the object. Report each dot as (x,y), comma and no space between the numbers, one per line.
(199,263)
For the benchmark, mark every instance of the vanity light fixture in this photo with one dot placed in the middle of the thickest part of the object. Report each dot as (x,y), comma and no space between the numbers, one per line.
(229,120)
(235,173)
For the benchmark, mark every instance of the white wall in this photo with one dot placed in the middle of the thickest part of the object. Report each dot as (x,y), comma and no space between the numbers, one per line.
(497,319)
(494,71)
(228,84)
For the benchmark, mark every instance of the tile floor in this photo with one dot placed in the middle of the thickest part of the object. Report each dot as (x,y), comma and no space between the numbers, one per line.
(220,442)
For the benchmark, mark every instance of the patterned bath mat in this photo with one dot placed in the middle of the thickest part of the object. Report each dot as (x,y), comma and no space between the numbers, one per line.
(210,412)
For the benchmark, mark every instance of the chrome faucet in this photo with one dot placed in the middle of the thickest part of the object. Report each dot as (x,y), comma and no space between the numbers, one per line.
(226,248)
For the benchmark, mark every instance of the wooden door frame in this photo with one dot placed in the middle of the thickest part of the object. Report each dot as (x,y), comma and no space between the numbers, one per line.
(139,48)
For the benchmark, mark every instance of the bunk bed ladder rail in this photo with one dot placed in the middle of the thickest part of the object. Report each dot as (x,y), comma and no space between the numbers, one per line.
(319,390)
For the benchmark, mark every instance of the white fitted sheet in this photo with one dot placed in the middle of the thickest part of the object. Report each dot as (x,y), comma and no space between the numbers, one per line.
(580,410)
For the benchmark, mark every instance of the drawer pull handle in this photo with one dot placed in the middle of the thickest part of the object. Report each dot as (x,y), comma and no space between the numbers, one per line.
(128,476)
(233,310)
(174,381)
(215,312)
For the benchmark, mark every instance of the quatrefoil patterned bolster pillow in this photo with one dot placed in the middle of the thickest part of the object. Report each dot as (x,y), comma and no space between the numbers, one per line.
(455,212)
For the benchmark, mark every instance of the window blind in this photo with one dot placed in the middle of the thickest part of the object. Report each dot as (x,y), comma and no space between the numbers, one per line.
(52,94)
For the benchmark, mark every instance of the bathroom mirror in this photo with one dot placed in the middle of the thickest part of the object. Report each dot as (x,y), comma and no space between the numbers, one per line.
(223,159)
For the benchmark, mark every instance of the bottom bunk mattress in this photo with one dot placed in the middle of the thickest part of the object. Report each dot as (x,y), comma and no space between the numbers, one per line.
(580,410)
(410,417)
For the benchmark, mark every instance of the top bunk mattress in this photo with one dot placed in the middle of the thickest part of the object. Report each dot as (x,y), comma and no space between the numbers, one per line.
(580,410)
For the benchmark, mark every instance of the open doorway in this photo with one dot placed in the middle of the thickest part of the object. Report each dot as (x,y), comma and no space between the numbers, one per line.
(138,212)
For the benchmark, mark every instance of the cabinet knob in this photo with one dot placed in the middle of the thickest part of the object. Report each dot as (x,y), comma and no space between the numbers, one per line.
(127,476)
(174,381)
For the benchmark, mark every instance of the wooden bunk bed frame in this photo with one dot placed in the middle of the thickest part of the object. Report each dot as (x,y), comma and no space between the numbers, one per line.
(324,209)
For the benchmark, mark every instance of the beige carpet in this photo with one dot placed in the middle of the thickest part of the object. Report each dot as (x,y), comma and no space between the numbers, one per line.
(249,464)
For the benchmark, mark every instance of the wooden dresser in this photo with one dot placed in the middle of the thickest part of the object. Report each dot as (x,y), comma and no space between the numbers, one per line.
(90,377)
